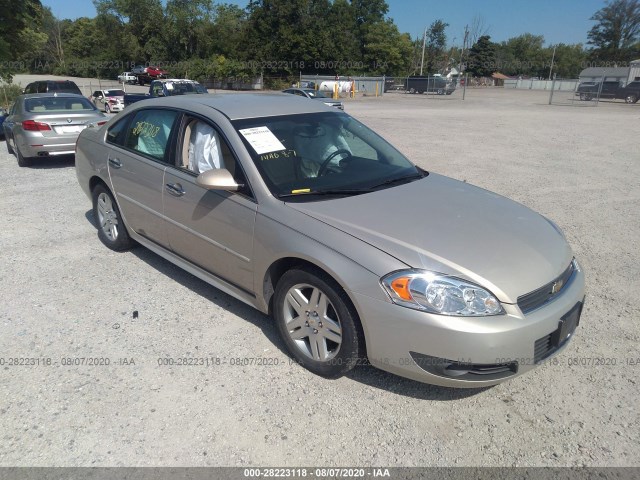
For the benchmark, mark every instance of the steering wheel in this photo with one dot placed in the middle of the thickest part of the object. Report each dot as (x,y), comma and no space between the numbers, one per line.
(324,168)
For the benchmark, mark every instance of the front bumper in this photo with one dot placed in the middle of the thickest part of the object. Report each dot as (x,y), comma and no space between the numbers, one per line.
(423,346)
(116,107)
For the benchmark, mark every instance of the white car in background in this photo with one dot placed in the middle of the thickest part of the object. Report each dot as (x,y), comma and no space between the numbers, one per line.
(111,100)
(127,77)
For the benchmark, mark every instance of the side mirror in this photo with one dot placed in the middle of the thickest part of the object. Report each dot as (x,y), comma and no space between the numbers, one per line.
(217,179)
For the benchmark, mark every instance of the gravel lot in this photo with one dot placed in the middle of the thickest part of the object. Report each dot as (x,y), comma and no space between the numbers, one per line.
(67,296)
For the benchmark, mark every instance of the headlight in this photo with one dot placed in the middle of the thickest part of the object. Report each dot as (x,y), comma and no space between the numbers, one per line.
(441,294)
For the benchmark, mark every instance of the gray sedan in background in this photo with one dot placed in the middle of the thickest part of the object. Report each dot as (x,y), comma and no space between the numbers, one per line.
(314,94)
(357,254)
(44,125)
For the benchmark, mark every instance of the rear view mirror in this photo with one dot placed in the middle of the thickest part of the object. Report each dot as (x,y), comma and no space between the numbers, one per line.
(217,179)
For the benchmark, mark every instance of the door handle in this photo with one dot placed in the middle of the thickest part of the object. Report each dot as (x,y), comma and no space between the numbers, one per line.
(115,162)
(175,189)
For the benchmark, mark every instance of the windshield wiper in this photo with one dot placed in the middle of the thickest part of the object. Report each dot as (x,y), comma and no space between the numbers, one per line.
(336,191)
(413,176)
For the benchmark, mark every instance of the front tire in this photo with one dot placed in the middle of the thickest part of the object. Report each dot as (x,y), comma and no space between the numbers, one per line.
(318,323)
(107,109)
(111,229)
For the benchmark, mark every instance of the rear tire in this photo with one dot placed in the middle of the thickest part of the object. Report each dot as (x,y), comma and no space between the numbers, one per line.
(9,148)
(631,99)
(23,161)
(317,322)
(111,228)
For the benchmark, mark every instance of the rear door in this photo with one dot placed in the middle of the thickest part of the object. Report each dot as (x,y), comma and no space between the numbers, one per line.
(139,147)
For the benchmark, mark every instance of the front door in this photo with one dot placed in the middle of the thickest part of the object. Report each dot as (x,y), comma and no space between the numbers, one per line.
(212,229)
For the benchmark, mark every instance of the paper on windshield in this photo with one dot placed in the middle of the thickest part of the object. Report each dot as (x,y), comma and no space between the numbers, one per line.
(262,140)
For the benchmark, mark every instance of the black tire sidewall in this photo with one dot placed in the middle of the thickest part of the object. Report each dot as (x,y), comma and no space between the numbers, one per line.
(352,346)
(123,242)
(22,160)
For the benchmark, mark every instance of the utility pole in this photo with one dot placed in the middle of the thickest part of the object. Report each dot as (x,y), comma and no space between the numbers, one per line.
(464,44)
(424,43)
(553,57)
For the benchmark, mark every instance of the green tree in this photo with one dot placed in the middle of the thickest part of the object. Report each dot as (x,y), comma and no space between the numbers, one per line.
(189,25)
(368,13)
(288,35)
(345,41)
(616,34)
(569,60)
(523,55)
(21,38)
(229,30)
(387,51)
(435,43)
(482,57)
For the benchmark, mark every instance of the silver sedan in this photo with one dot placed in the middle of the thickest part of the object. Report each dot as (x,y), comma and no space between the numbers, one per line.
(358,255)
(45,125)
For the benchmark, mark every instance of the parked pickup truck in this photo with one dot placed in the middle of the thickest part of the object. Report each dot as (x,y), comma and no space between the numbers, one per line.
(630,93)
(433,84)
(166,88)
(591,90)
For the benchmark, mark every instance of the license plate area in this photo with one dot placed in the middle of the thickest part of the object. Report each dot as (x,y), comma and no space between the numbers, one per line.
(567,325)
(69,129)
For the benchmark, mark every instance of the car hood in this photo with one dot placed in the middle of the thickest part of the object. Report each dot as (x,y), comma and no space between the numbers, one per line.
(444,225)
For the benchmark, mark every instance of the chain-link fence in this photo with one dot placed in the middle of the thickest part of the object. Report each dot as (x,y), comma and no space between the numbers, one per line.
(573,93)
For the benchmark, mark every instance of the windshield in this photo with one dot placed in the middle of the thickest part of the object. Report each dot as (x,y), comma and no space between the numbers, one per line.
(299,155)
(114,93)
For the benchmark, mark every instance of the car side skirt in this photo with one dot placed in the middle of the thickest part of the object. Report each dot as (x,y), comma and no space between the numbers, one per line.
(213,280)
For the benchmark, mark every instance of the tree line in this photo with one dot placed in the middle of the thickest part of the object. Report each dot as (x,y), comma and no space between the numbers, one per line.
(202,39)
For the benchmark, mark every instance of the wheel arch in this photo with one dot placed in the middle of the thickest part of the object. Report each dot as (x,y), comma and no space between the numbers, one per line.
(282,265)
(95,180)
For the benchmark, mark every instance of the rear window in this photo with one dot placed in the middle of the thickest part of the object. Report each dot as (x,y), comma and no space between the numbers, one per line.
(184,88)
(57,104)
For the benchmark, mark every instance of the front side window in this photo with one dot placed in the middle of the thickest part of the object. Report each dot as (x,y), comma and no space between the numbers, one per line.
(322,153)
(149,132)
(204,148)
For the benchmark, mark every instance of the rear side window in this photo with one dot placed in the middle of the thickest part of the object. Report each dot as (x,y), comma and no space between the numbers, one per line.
(117,132)
(149,132)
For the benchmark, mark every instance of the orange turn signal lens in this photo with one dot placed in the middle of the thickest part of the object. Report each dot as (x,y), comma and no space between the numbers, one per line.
(401,287)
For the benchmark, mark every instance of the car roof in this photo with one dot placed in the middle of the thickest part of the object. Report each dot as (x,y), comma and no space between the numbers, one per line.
(238,106)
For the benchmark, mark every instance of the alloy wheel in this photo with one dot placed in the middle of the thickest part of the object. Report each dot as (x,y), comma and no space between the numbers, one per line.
(312,322)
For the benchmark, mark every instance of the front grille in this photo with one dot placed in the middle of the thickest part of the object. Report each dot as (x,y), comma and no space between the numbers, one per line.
(539,297)
(461,370)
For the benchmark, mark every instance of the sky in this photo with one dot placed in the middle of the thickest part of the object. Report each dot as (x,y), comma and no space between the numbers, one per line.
(559,21)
